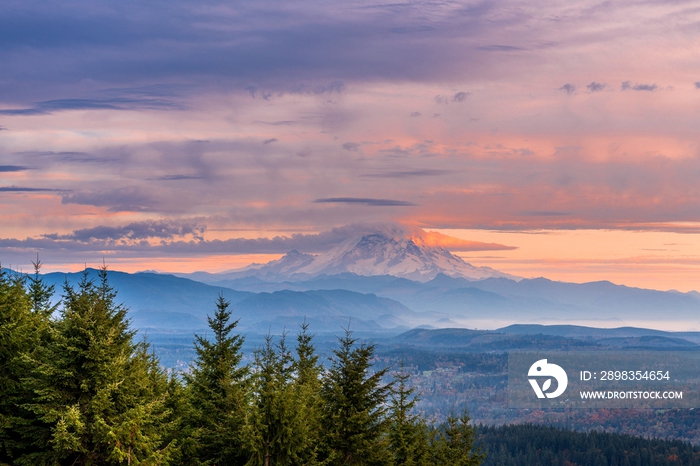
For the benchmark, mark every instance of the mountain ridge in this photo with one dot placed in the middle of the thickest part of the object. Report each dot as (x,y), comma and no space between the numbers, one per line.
(499,301)
(167,302)
(367,255)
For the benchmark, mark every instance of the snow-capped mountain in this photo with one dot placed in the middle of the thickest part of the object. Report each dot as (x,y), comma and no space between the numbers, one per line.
(373,254)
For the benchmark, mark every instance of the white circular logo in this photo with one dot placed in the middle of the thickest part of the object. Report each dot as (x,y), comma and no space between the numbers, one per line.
(546,371)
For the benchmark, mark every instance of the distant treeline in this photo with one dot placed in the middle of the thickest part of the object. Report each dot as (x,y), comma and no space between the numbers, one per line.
(527,445)
(76,388)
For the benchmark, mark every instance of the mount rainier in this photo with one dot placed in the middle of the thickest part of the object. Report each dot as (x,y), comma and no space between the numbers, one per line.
(369,255)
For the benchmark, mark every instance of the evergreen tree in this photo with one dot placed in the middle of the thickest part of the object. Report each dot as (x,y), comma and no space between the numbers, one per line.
(307,398)
(218,385)
(454,445)
(274,419)
(285,421)
(147,428)
(354,413)
(527,444)
(39,292)
(409,436)
(178,407)
(94,387)
(18,336)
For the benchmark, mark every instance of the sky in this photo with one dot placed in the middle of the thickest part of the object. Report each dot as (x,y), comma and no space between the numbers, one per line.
(555,139)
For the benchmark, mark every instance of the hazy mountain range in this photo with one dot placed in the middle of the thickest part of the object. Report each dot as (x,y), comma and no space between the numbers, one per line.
(329,293)
(168,303)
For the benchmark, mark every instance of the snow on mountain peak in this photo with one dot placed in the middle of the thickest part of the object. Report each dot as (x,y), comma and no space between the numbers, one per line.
(375,254)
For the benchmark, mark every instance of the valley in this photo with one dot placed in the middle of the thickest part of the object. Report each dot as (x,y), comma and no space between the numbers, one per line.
(451,332)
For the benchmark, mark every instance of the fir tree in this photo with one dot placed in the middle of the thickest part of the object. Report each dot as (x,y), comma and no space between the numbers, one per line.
(39,292)
(218,385)
(409,436)
(178,407)
(306,365)
(307,398)
(93,388)
(145,429)
(18,336)
(285,420)
(274,420)
(354,413)
(454,445)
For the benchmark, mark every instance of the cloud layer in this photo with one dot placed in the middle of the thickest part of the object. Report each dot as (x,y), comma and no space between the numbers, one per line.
(181,128)
(166,238)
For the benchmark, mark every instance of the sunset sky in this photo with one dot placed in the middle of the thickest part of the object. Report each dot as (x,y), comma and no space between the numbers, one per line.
(556,139)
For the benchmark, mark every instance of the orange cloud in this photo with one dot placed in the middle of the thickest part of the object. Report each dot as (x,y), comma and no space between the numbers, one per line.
(436,239)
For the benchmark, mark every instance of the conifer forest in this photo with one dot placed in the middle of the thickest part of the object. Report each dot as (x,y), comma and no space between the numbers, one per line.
(79,388)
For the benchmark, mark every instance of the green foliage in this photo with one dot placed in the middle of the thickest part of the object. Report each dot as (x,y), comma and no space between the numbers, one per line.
(78,390)
(354,422)
(146,429)
(307,398)
(100,396)
(409,435)
(39,292)
(285,421)
(274,419)
(218,386)
(19,333)
(527,444)
(453,444)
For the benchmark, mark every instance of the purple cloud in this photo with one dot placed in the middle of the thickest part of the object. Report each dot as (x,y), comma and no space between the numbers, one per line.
(13,168)
(596,87)
(24,189)
(183,240)
(627,85)
(352,146)
(568,88)
(364,201)
(458,97)
(52,106)
(163,229)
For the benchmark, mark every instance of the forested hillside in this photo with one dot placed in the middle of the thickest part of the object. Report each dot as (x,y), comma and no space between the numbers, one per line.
(78,389)
(527,445)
